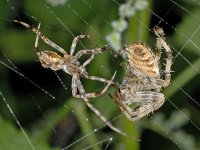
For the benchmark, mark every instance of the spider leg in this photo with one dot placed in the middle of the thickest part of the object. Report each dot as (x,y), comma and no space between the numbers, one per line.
(154,101)
(143,110)
(43,37)
(168,64)
(91,51)
(99,79)
(147,108)
(156,83)
(96,111)
(37,50)
(158,49)
(126,110)
(74,85)
(147,96)
(88,61)
(75,41)
(96,94)
(161,43)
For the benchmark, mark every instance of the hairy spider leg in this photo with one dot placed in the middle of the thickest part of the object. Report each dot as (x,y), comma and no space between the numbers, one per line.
(161,43)
(75,41)
(96,111)
(44,38)
(75,86)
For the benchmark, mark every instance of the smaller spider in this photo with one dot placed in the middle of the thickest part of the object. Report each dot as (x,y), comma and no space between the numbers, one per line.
(70,64)
(139,94)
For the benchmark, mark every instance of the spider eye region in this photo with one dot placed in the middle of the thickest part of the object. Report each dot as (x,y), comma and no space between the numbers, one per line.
(51,60)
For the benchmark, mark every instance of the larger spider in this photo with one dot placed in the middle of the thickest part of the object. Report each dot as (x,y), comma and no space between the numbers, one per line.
(139,94)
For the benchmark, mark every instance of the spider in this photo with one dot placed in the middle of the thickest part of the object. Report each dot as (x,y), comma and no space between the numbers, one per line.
(70,64)
(139,93)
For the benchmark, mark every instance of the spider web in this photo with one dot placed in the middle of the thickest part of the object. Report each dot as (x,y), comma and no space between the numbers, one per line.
(37,110)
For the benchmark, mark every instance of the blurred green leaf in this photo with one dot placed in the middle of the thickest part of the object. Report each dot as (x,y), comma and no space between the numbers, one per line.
(188,33)
(12,138)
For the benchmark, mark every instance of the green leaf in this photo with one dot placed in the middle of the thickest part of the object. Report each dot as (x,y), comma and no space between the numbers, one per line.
(13,138)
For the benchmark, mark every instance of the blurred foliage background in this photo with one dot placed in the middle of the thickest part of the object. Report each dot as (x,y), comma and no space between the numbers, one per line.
(52,123)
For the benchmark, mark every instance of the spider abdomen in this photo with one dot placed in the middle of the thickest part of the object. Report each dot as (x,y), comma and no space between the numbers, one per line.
(140,56)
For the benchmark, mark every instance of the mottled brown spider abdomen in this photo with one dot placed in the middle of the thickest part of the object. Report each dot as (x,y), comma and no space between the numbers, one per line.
(141,57)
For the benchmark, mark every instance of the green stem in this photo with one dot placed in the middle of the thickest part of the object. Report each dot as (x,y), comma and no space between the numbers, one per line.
(139,24)
(86,126)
